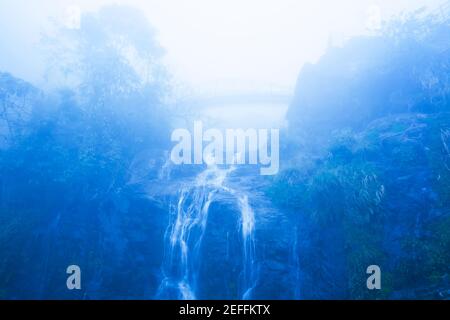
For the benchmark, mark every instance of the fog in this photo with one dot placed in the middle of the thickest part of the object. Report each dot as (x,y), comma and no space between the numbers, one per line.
(135,146)
(212,47)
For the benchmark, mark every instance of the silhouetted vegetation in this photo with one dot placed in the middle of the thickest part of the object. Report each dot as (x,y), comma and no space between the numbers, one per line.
(373,118)
(68,158)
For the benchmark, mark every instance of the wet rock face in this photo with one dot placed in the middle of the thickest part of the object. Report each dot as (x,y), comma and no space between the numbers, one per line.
(221,253)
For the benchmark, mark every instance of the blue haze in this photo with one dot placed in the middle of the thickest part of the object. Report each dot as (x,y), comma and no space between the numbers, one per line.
(86,179)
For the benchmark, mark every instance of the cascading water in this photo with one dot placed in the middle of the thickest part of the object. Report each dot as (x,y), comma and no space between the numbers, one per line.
(185,233)
(249,273)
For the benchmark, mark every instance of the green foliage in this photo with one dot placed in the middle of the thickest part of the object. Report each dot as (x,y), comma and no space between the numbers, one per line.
(69,153)
(288,189)
(367,187)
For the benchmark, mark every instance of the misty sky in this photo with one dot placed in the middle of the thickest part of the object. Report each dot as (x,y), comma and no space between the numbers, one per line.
(212,46)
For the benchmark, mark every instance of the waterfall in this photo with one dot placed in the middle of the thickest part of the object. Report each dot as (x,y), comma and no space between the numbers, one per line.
(248,276)
(185,233)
